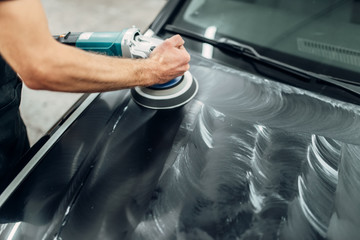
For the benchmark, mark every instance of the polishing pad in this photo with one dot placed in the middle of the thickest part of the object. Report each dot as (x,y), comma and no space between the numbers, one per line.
(172,94)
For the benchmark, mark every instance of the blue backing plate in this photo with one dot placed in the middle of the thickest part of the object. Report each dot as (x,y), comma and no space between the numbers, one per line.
(167,85)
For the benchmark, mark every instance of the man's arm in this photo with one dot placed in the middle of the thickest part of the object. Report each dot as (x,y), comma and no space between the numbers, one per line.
(43,63)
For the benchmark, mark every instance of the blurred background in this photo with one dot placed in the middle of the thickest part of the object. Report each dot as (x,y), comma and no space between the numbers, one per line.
(42,109)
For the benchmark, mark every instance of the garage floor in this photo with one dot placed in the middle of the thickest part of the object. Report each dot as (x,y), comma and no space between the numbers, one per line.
(41,109)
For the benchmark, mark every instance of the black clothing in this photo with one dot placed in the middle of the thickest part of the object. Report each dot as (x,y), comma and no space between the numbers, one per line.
(13,137)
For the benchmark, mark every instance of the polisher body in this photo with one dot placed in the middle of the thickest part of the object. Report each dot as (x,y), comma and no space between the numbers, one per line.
(130,43)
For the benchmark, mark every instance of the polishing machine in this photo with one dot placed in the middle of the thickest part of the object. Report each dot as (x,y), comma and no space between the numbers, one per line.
(130,43)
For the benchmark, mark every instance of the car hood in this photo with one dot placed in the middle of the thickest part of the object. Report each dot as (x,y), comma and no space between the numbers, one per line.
(247,157)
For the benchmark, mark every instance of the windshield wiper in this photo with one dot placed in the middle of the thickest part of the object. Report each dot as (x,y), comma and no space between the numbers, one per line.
(227,44)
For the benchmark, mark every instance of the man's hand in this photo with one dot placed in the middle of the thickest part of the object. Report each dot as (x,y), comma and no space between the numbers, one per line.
(170,59)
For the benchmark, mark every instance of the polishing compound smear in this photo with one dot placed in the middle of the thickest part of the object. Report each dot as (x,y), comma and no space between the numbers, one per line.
(178,93)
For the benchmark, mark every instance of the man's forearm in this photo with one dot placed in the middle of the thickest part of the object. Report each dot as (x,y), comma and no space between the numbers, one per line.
(27,45)
(64,68)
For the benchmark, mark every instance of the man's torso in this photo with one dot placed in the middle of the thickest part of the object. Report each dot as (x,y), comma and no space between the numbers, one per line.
(13,137)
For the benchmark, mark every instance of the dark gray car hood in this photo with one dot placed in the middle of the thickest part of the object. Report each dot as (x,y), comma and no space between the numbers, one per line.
(248,158)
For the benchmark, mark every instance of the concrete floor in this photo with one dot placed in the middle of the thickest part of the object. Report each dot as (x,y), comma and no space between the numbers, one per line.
(42,109)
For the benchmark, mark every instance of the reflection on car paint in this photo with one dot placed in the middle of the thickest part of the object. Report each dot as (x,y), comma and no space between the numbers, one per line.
(247,158)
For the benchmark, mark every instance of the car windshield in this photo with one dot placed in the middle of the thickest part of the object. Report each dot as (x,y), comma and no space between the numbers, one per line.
(320,36)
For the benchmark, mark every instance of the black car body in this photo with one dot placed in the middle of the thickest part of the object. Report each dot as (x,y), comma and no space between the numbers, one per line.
(268,149)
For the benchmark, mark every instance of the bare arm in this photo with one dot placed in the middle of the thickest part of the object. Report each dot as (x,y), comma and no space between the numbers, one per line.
(27,45)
